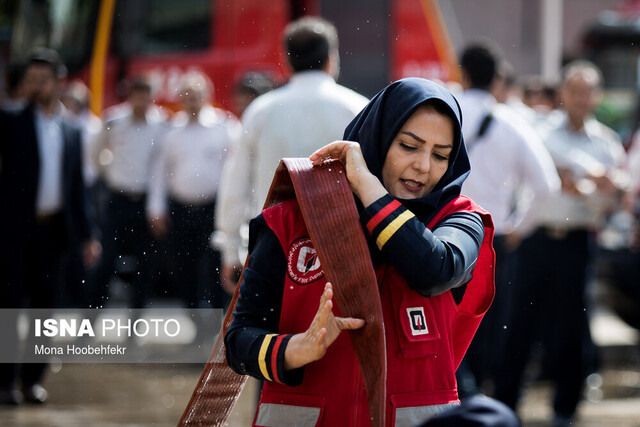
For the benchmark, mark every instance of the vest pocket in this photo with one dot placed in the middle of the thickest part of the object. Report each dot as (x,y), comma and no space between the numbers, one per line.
(417,330)
(412,409)
(278,409)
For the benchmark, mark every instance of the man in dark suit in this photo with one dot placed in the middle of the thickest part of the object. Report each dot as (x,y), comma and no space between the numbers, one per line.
(42,212)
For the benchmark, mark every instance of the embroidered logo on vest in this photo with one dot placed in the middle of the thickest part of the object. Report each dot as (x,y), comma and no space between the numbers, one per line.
(417,321)
(303,265)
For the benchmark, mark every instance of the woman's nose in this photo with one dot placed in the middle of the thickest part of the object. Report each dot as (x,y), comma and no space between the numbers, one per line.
(422,164)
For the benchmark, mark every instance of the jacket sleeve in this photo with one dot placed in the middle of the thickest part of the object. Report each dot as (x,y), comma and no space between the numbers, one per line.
(536,172)
(79,203)
(431,261)
(6,128)
(253,346)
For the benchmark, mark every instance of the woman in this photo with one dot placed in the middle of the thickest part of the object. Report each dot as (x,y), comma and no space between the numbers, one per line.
(405,161)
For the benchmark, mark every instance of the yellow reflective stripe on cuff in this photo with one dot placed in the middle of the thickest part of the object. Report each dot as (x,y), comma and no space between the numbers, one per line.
(393,226)
(261,356)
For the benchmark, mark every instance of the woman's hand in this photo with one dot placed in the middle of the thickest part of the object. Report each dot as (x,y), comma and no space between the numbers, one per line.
(311,345)
(366,186)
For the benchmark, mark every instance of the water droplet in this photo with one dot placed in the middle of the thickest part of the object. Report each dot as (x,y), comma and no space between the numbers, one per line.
(168,401)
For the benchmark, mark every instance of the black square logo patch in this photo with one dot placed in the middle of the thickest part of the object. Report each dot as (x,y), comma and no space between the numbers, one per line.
(417,321)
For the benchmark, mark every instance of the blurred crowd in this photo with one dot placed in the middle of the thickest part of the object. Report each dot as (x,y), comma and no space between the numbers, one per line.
(150,199)
(166,196)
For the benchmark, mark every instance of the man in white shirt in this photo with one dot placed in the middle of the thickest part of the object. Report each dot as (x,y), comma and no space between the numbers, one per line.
(292,121)
(123,153)
(76,100)
(183,193)
(632,199)
(506,156)
(550,288)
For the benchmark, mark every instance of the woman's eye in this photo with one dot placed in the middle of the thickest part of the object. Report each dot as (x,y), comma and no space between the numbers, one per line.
(407,146)
(440,157)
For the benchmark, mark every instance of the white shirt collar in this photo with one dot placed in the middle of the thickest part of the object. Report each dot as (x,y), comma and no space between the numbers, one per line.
(481,96)
(59,112)
(310,77)
(589,129)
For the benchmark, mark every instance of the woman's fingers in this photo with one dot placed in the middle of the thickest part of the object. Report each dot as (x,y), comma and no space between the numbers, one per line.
(323,315)
(335,150)
(327,294)
(349,323)
(325,319)
(321,318)
(324,329)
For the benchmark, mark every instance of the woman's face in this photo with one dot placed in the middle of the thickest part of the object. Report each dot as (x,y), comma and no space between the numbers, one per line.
(419,154)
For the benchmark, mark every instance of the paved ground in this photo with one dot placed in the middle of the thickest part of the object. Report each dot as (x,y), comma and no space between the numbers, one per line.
(132,395)
(83,395)
(118,394)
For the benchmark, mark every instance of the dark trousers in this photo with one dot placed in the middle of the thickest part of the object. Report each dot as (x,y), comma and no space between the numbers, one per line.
(125,232)
(29,278)
(196,263)
(548,293)
(482,360)
(76,278)
(475,411)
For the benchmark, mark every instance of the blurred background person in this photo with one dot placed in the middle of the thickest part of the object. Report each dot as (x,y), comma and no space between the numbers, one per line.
(43,215)
(507,92)
(17,95)
(250,86)
(123,153)
(554,264)
(505,155)
(539,94)
(504,88)
(630,220)
(207,113)
(75,98)
(292,121)
(633,169)
(182,195)
(541,97)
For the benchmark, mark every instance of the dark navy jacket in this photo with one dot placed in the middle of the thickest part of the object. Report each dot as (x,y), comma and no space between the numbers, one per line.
(19,174)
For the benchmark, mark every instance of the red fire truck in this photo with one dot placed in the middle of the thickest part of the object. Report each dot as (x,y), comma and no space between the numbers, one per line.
(104,42)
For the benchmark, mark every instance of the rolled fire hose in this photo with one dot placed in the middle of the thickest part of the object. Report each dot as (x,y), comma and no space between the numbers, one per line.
(327,206)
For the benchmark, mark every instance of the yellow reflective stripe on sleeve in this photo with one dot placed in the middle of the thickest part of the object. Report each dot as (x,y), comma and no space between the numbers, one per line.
(393,226)
(261,356)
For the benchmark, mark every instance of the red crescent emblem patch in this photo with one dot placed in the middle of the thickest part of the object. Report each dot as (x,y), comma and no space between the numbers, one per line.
(303,265)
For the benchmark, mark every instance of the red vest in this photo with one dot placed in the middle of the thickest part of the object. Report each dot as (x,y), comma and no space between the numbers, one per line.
(426,337)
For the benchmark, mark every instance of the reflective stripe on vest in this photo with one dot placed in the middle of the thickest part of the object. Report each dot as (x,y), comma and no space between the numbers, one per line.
(416,415)
(274,415)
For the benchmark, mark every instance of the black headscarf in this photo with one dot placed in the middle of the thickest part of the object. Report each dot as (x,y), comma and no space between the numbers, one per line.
(378,124)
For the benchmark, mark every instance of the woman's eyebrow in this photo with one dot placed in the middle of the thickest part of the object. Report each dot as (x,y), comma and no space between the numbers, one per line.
(417,138)
(414,136)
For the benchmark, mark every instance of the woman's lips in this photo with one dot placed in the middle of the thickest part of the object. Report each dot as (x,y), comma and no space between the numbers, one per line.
(411,185)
